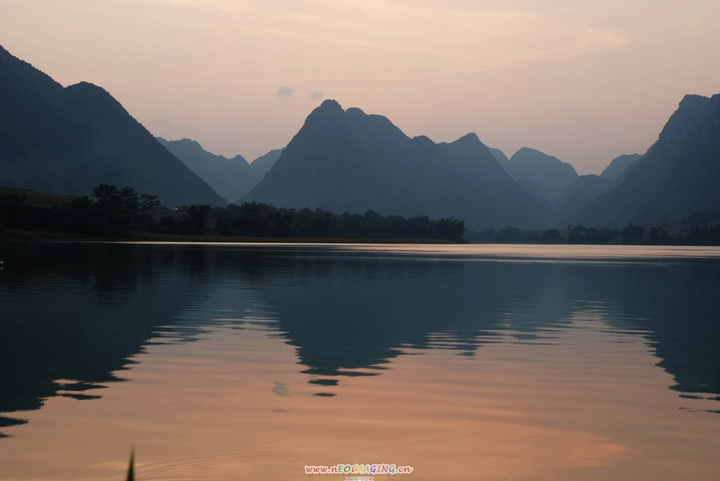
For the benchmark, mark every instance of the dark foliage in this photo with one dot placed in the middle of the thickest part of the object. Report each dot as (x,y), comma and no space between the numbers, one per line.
(110,212)
(255,219)
(114,212)
(698,234)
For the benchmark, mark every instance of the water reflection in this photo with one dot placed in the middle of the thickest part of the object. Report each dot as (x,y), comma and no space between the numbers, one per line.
(74,316)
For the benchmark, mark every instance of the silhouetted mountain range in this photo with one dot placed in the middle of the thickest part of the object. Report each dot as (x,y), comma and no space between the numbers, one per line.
(581,192)
(551,175)
(678,177)
(231,178)
(347,161)
(586,188)
(619,166)
(68,140)
(498,154)
(265,162)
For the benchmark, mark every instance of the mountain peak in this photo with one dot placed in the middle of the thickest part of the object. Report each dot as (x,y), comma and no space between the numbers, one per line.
(87,86)
(90,93)
(350,161)
(693,99)
(328,111)
(527,151)
(231,178)
(676,178)
(422,140)
(190,144)
(97,103)
(549,173)
(693,113)
(470,138)
(68,139)
(330,105)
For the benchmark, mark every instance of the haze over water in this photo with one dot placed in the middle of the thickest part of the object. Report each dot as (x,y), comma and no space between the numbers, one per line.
(231,362)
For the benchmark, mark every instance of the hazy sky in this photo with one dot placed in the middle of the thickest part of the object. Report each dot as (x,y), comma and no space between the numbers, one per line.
(583,80)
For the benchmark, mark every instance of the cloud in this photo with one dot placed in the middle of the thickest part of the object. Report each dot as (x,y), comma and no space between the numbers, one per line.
(316,95)
(284,92)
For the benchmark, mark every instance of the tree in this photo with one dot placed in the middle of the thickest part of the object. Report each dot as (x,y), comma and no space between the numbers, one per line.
(199,215)
(11,210)
(632,234)
(168,225)
(451,229)
(118,211)
(115,209)
(149,202)
(509,234)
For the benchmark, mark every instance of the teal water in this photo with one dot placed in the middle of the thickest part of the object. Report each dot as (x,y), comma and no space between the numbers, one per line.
(463,362)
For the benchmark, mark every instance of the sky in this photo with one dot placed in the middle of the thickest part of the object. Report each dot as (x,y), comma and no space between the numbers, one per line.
(582,80)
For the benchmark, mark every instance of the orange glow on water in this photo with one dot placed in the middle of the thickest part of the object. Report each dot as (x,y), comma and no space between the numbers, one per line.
(235,405)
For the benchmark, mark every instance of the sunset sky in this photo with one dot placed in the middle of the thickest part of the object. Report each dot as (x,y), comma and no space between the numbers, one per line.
(584,81)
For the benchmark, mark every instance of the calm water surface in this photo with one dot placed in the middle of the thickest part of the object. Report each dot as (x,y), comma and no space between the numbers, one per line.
(249,362)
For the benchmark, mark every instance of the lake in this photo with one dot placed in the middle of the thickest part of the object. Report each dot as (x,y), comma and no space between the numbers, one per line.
(457,362)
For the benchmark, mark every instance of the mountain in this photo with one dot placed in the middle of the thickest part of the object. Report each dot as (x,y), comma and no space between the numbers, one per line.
(581,192)
(676,178)
(551,175)
(263,163)
(498,155)
(68,140)
(587,188)
(231,178)
(619,165)
(348,161)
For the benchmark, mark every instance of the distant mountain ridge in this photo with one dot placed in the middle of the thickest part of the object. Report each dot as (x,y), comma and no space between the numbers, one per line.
(551,175)
(678,177)
(265,162)
(68,140)
(581,192)
(231,178)
(345,160)
(348,161)
(586,188)
(620,165)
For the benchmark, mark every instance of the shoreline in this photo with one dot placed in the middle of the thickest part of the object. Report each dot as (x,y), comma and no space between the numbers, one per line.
(44,236)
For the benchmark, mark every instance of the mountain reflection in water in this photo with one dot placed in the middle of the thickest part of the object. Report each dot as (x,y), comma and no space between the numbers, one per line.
(74,317)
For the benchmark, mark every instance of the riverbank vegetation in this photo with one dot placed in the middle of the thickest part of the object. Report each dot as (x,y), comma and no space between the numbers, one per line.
(691,232)
(113,213)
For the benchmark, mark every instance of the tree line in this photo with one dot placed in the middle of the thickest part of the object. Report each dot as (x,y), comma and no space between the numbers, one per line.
(701,233)
(119,212)
(108,212)
(114,212)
